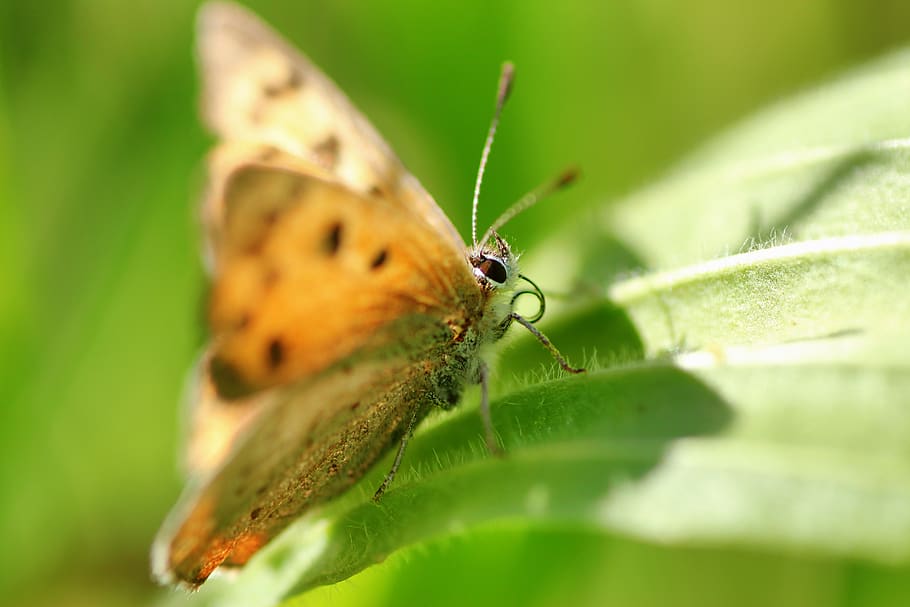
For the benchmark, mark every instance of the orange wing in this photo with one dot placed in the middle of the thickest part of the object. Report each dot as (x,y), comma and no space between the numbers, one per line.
(308,271)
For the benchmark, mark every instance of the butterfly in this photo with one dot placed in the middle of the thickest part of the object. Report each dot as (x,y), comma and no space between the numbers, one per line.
(344,305)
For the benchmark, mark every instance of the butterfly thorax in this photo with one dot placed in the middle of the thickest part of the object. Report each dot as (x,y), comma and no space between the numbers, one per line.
(495,271)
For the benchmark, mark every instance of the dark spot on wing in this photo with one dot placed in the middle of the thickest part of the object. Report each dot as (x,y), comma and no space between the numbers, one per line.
(355,405)
(375,190)
(270,217)
(332,240)
(379,260)
(229,383)
(255,513)
(269,153)
(290,84)
(295,78)
(243,322)
(327,151)
(270,278)
(267,221)
(254,248)
(297,189)
(275,353)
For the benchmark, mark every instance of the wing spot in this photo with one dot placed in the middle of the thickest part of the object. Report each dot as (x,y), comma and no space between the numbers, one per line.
(255,513)
(275,353)
(254,249)
(229,383)
(292,83)
(381,258)
(269,153)
(327,151)
(332,240)
(271,217)
(297,190)
(266,222)
(270,278)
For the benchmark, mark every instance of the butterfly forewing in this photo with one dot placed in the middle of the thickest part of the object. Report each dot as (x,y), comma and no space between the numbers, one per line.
(309,270)
(258,89)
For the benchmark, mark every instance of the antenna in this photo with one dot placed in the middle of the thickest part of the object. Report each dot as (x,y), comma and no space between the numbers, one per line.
(505,87)
(529,200)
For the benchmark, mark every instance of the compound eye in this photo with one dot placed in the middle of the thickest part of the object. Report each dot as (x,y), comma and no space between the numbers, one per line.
(494,269)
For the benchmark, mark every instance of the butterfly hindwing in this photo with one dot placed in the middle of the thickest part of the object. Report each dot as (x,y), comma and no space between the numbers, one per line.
(310,442)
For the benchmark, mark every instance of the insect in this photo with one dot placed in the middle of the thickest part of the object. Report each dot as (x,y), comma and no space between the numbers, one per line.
(344,304)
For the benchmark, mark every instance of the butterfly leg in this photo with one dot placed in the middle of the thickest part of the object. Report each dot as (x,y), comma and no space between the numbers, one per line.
(401,447)
(524,322)
(488,430)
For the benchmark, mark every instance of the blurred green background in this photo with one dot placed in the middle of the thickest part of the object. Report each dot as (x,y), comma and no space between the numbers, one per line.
(100,160)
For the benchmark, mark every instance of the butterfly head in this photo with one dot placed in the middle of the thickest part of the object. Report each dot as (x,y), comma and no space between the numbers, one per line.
(494,265)
(495,269)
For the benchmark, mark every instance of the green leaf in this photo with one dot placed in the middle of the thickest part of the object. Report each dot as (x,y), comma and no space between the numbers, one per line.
(750,315)
(803,290)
